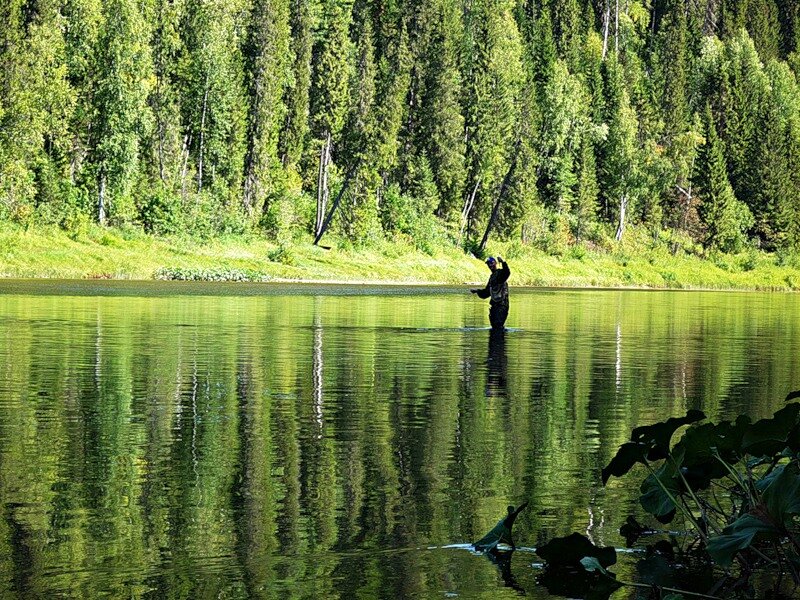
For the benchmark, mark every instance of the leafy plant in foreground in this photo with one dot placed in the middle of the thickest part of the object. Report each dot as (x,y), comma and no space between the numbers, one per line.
(737,484)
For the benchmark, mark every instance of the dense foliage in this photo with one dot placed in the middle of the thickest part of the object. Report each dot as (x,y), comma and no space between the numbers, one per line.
(550,122)
(736,486)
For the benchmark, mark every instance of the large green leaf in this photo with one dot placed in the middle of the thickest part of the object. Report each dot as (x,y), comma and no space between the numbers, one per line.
(738,536)
(657,437)
(568,551)
(628,455)
(770,436)
(654,498)
(701,444)
(782,495)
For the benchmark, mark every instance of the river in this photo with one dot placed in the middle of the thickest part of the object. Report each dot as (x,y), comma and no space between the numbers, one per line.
(189,440)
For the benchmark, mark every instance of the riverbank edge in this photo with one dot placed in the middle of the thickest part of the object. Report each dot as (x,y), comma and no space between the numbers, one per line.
(101,253)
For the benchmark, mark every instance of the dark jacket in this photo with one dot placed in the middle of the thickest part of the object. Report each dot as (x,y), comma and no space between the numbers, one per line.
(497,286)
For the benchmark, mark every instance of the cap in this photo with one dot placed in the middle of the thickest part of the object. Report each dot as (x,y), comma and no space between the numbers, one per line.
(491,260)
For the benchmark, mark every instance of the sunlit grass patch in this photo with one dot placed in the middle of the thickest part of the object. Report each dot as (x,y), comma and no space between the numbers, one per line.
(638,262)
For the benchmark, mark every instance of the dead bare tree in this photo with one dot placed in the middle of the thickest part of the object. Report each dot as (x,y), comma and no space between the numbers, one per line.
(501,194)
(322,184)
(468,204)
(324,226)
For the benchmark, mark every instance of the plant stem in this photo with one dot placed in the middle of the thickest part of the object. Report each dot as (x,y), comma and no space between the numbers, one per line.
(694,497)
(737,476)
(646,586)
(687,513)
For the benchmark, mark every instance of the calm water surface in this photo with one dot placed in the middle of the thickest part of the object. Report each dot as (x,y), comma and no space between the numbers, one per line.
(169,440)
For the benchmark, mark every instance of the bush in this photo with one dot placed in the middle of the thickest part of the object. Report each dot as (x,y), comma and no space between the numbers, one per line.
(221,274)
(753,525)
(749,261)
(160,212)
(282,255)
(401,213)
(577,252)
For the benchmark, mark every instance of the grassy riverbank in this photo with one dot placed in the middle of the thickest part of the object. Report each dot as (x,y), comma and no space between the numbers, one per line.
(115,254)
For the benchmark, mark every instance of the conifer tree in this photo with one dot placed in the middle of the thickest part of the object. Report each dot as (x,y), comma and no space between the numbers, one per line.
(724,218)
(584,210)
(441,131)
(740,99)
(494,77)
(295,131)
(789,18)
(617,166)
(543,51)
(764,28)
(792,233)
(776,183)
(672,65)
(360,214)
(267,61)
(566,16)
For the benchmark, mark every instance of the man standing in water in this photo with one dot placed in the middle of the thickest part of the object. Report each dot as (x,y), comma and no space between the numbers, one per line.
(497,290)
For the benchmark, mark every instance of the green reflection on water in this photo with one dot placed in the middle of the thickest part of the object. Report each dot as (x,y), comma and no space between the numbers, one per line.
(328,444)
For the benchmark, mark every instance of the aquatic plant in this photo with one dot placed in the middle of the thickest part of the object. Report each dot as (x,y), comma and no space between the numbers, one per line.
(736,485)
(179,274)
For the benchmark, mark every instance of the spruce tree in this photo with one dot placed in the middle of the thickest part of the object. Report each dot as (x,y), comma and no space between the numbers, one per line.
(267,62)
(295,130)
(789,18)
(725,219)
(566,17)
(764,28)
(441,131)
(360,214)
(617,164)
(792,238)
(740,99)
(330,92)
(543,51)
(584,209)
(494,78)
(774,199)
(672,66)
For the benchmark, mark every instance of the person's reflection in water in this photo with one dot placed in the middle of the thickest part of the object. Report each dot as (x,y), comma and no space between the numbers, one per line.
(502,558)
(496,364)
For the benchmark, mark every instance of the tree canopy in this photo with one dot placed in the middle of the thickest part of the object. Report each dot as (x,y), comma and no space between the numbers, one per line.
(232,116)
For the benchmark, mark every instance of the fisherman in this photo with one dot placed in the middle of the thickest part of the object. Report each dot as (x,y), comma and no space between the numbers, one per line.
(497,290)
(500,533)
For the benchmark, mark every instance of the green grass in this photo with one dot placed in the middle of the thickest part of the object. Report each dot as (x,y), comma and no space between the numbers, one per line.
(638,262)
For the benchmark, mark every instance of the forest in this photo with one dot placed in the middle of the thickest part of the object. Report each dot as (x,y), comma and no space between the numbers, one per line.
(553,123)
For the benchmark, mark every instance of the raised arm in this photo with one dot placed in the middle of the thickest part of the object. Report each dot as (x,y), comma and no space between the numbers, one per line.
(505,272)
